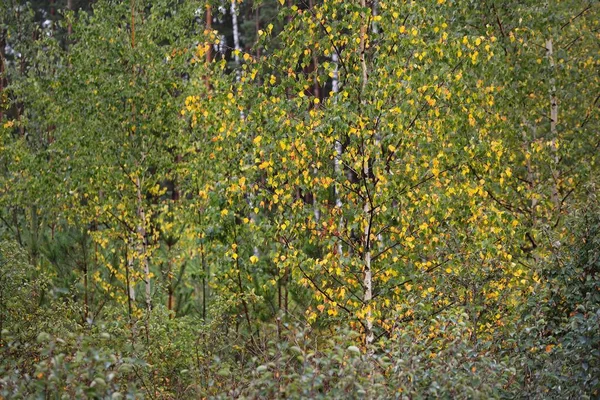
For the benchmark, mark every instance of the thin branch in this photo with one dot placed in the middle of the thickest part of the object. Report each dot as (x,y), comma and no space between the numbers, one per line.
(571,20)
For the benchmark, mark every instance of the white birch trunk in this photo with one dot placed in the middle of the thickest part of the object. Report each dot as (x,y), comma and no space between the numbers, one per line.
(337,161)
(238,77)
(368,277)
(236,40)
(130,266)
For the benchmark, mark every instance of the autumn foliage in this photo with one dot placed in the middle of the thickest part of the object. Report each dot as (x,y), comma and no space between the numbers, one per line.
(299,199)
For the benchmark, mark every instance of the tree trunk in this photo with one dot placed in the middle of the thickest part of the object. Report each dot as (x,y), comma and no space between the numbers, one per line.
(337,161)
(236,41)
(209,28)
(143,245)
(553,132)
(368,209)
(205,272)
(129,288)
(2,46)
(70,27)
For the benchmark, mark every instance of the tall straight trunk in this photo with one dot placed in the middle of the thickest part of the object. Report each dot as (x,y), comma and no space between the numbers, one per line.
(553,131)
(205,266)
(86,303)
(317,95)
(1,315)
(20,106)
(143,244)
(34,235)
(209,28)
(171,301)
(142,239)
(15,218)
(84,250)
(170,288)
(337,160)
(205,273)
(70,8)
(52,15)
(2,46)
(530,173)
(129,287)
(236,40)
(368,210)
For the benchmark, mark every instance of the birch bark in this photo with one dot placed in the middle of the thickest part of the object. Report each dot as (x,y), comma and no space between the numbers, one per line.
(368,275)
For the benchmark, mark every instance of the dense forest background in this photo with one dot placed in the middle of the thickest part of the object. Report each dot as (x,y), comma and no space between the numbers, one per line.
(299,199)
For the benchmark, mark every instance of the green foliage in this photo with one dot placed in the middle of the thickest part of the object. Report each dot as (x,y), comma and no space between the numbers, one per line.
(384,199)
(559,336)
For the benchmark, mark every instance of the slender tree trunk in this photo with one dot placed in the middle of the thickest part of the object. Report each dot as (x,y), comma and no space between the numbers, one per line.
(337,161)
(34,235)
(553,131)
(70,27)
(170,288)
(171,300)
(2,46)
(128,283)
(85,294)
(530,173)
(132,23)
(15,216)
(143,245)
(52,15)
(205,272)
(20,106)
(209,28)
(368,275)
(236,41)
(86,303)
(142,239)
(1,314)
(317,95)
